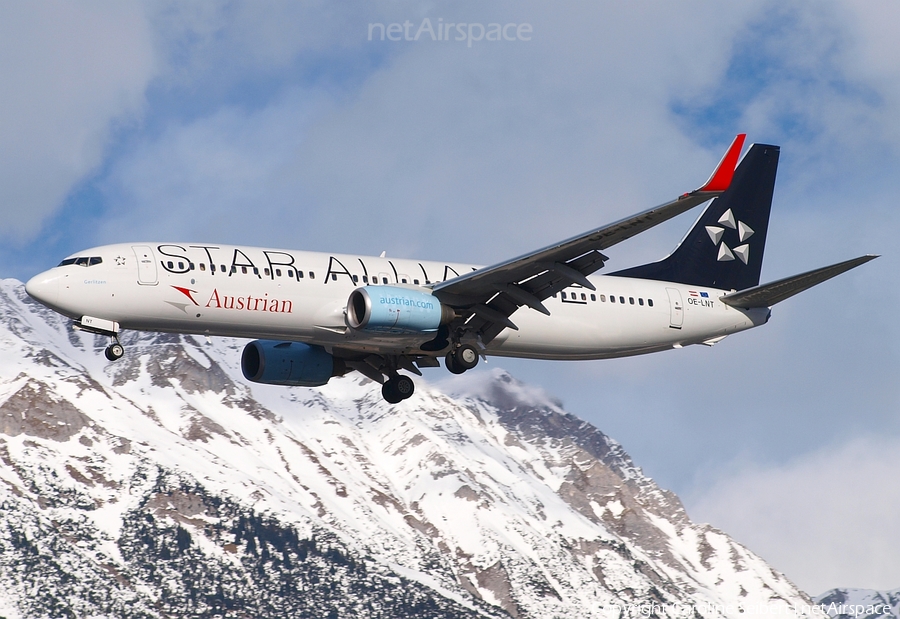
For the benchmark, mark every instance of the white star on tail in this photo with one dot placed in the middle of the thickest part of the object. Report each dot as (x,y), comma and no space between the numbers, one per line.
(744,231)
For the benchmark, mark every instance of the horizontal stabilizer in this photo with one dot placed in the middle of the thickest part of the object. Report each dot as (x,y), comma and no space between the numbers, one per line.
(767,295)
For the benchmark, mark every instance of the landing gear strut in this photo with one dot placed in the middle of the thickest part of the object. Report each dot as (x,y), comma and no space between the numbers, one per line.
(462,359)
(397,388)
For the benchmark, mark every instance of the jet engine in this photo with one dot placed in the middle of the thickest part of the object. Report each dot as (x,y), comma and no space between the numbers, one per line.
(288,363)
(393,309)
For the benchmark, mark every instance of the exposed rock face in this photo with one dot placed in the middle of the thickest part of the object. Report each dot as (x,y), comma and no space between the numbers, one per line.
(163,485)
(34,410)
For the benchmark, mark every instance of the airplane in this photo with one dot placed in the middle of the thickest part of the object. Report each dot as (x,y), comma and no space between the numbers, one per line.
(313,316)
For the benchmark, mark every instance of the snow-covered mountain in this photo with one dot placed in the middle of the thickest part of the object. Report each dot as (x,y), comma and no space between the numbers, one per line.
(163,485)
(860,604)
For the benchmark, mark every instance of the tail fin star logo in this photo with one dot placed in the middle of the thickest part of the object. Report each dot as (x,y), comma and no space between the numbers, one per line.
(744,232)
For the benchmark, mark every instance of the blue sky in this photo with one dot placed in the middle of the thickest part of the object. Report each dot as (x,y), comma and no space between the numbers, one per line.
(281,124)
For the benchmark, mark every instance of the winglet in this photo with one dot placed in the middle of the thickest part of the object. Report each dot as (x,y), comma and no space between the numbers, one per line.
(721,178)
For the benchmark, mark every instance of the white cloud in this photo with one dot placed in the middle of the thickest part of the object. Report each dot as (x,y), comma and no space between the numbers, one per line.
(220,178)
(826,519)
(70,73)
(557,134)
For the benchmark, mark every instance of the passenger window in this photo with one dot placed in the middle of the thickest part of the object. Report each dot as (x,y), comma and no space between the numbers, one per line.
(222,268)
(416,282)
(650,302)
(365,279)
(255,271)
(191,266)
(202,266)
(180,266)
(563,294)
(621,299)
(603,298)
(356,279)
(631,300)
(267,272)
(278,272)
(404,280)
(168,264)
(290,272)
(243,270)
(334,277)
(212,268)
(312,275)
(640,301)
(583,297)
(612,299)
(384,280)
(234,269)
(593,297)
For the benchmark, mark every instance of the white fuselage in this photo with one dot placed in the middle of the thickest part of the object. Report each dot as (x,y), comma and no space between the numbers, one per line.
(302,296)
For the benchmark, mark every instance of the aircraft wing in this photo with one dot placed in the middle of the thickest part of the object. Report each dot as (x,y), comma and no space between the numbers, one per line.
(767,295)
(486,298)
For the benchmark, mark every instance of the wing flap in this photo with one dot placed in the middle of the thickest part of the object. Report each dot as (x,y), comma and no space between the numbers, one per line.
(767,295)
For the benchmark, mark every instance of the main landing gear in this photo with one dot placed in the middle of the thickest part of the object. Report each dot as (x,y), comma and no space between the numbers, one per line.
(397,388)
(461,359)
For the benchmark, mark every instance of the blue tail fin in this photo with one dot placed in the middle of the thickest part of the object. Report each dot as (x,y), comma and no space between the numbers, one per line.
(724,249)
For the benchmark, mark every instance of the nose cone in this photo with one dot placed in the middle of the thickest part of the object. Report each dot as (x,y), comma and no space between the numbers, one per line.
(44,288)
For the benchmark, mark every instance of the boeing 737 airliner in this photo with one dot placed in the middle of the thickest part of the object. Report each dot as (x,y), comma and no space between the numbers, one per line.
(313,315)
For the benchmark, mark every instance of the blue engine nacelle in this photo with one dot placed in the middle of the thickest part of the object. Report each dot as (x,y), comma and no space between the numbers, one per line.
(392,309)
(288,363)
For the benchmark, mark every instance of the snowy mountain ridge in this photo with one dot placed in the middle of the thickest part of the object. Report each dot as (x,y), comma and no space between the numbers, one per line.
(164,485)
(860,604)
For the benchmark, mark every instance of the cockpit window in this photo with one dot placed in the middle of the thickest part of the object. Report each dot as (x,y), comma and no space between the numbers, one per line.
(82,261)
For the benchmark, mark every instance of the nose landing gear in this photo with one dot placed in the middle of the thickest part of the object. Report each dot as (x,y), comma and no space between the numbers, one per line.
(102,326)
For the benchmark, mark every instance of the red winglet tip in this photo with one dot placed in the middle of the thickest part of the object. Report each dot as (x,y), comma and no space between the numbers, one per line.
(721,178)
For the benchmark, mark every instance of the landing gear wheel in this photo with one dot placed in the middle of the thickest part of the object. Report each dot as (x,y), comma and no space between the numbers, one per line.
(389,392)
(397,389)
(405,386)
(462,359)
(452,364)
(466,357)
(114,351)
